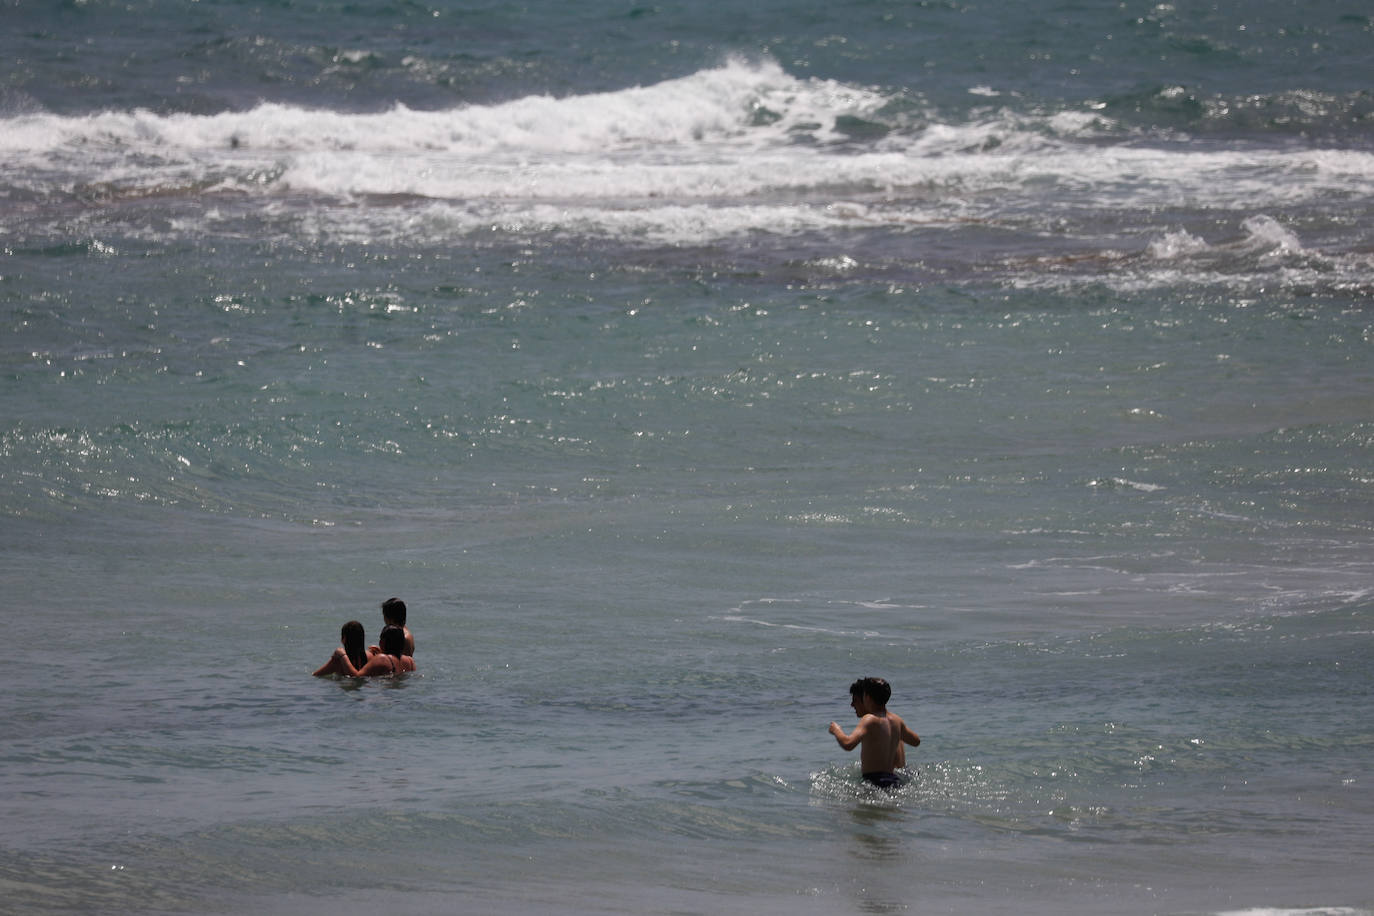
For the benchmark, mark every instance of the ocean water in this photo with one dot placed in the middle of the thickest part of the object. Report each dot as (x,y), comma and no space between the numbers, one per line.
(678,365)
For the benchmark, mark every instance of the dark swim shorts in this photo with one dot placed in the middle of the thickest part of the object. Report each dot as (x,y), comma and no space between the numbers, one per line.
(884,780)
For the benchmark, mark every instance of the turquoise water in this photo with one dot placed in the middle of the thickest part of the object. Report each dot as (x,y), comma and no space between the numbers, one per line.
(678,368)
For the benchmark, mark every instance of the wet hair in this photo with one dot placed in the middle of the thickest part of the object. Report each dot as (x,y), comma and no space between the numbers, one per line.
(394,611)
(875,688)
(354,639)
(393,640)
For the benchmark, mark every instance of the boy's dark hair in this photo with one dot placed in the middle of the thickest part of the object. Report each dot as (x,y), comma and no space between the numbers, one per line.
(875,688)
(394,610)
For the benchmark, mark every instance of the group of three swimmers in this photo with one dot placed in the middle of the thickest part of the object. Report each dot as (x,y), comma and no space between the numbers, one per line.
(393,654)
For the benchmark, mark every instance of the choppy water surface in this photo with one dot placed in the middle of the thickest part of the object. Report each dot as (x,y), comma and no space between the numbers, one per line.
(678,369)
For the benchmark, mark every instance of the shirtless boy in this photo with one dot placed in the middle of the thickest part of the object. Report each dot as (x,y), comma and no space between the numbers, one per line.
(881,733)
(394,615)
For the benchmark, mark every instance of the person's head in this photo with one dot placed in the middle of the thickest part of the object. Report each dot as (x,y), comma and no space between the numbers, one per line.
(394,611)
(393,640)
(354,639)
(874,690)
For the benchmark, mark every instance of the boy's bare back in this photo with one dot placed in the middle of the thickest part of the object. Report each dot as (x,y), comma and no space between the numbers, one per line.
(880,744)
(880,734)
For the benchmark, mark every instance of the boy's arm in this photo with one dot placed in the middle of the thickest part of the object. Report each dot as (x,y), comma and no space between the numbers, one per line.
(906,734)
(851,740)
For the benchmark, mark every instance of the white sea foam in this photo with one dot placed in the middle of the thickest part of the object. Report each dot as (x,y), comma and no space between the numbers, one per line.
(1265,234)
(1176,244)
(712,106)
(1300,911)
(740,148)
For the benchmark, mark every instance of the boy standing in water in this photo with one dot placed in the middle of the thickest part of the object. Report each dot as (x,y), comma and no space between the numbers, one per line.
(394,615)
(881,733)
